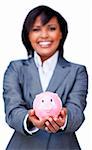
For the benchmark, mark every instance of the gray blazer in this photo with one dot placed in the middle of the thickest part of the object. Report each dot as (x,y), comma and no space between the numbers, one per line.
(22,83)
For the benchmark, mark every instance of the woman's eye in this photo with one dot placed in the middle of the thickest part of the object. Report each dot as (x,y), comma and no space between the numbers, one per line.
(35,29)
(52,28)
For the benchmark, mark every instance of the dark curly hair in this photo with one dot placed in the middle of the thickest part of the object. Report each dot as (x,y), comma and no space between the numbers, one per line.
(46,13)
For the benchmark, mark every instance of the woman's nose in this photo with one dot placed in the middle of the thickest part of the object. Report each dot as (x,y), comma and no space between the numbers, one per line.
(44,34)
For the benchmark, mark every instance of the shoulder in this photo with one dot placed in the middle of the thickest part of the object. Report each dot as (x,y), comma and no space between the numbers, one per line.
(74,68)
(17,65)
(20,62)
(66,63)
(77,66)
(71,65)
(78,70)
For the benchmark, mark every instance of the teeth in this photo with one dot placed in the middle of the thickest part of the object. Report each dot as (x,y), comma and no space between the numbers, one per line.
(45,43)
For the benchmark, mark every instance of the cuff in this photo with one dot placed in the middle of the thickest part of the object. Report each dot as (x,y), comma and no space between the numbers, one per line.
(30,131)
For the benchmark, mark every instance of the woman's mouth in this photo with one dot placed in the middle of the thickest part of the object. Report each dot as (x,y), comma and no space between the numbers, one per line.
(45,44)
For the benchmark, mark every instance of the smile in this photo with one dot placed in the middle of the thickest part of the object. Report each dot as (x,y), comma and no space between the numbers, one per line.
(44,43)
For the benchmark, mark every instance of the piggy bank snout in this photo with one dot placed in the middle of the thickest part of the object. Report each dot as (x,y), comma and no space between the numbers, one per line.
(49,107)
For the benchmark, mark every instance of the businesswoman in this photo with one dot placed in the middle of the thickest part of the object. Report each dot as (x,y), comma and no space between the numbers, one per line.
(43,35)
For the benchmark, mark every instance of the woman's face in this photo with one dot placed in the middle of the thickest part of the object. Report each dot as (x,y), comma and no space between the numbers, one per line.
(45,38)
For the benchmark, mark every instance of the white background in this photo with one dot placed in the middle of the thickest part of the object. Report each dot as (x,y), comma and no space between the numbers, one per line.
(77,49)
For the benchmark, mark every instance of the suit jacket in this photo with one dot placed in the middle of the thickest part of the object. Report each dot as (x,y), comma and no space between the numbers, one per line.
(22,83)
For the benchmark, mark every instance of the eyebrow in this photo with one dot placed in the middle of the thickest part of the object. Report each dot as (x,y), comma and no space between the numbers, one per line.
(37,26)
(49,25)
(52,24)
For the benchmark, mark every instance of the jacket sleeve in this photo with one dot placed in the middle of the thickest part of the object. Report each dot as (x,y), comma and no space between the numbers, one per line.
(15,106)
(76,100)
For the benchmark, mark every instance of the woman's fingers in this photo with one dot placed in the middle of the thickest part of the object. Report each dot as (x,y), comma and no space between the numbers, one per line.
(52,125)
(63,112)
(59,121)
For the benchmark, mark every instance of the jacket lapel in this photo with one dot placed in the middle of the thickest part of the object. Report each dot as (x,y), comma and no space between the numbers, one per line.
(61,71)
(33,81)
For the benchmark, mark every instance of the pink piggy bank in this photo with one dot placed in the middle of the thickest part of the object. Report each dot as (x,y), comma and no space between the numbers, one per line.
(47,104)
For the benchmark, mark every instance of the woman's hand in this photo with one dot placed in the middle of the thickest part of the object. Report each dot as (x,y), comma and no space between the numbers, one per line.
(54,124)
(39,123)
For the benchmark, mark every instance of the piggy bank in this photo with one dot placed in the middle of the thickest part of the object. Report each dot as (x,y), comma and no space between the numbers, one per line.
(47,104)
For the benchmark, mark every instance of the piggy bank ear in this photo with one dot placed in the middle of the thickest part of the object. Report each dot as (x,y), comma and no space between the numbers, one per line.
(37,96)
(55,94)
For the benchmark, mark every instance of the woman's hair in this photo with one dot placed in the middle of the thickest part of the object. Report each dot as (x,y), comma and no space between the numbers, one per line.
(46,13)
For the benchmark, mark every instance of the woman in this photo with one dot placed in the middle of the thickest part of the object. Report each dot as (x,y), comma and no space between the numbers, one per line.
(44,33)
